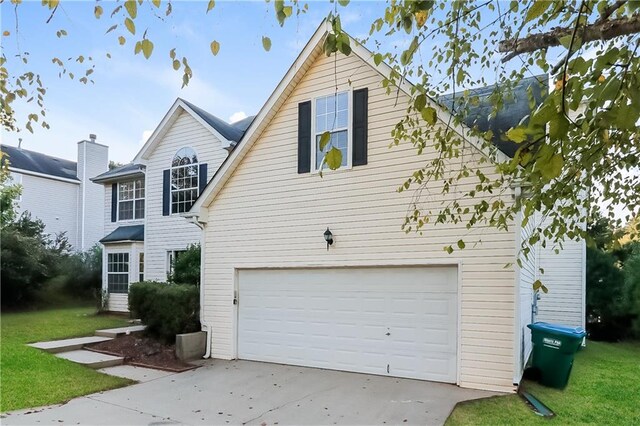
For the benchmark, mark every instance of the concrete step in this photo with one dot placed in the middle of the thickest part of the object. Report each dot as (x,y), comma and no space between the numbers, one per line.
(56,346)
(92,359)
(139,374)
(121,331)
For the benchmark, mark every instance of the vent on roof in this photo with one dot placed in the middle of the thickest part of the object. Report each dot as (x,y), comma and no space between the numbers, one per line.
(92,137)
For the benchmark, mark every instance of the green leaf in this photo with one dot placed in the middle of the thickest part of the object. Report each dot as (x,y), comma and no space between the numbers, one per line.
(122,40)
(343,3)
(420,102)
(448,249)
(461,244)
(132,8)
(98,11)
(429,115)
(517,135)
(211,5)
(537,284)
(176,64)
(266,43)
(334,158)
(215,47)
(156,3)
(566,41)
(324,140)
(537,9)
(551,169)
(130,25)
(147,48)
(377,59)
(138,47)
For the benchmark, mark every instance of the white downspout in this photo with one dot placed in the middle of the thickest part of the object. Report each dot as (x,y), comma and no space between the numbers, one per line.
(194,220)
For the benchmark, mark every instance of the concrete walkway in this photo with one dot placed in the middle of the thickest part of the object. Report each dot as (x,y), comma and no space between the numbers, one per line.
(244,392)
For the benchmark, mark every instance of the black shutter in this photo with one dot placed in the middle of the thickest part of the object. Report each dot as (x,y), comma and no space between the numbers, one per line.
(166,192)
(360,123)
(304,137)
(202,176)
(114,202)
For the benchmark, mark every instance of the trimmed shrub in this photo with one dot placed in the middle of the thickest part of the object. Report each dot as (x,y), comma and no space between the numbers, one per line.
(166,309)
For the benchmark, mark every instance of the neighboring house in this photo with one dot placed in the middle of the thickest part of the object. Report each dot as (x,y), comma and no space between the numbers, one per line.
(144,202)
(377,300)
(60,193)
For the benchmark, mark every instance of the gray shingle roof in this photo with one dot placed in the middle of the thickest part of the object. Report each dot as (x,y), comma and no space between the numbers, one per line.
(244,124)
(125,233)
(120,172)
(40,163)
(227,130)
(514,110)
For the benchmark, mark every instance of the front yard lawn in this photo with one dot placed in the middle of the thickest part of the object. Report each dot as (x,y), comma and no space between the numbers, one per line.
(604,388)
(30,377)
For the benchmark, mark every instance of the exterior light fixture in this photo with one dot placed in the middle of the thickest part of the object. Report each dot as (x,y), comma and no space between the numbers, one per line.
(328,237)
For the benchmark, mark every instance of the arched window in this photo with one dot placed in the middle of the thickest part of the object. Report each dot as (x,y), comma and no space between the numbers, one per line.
(184,180)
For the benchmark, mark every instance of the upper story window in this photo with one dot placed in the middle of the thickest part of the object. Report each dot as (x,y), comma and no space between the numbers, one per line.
(184,180)
(332,115)
(131,200)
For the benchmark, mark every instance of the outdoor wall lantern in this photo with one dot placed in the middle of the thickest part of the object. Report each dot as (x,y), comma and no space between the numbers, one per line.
(328,237)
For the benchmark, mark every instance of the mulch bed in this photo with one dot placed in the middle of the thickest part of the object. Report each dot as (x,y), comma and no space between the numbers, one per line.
(142,351)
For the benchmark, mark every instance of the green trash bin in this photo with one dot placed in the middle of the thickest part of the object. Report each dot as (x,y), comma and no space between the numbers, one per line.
(553,349)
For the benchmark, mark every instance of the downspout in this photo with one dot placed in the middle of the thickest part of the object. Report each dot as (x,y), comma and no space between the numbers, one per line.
(207,327)
(518,343)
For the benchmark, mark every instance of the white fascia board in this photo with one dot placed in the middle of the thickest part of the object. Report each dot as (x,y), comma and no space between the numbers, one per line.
(168,119)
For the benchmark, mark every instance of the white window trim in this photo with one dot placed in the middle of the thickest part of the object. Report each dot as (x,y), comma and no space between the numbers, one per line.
(321,94)
(171,190)
(134,199)
(171,254)
(141,263)
(128,274)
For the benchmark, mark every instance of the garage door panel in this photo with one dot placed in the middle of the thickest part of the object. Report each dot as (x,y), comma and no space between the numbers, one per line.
(370,320)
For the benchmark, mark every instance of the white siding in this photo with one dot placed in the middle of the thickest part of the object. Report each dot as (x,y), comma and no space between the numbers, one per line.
(564,276)
(163,233)
(269,215)
(52,201)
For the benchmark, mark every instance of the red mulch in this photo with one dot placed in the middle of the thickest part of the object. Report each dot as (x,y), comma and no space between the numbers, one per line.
(144,351)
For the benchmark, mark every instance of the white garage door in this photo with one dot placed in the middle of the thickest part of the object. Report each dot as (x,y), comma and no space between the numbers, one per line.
(390,321)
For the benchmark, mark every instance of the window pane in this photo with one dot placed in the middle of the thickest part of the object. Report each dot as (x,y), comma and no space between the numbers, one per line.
(125,210)
(343,101)
(342,119)
(139,209)
(331,104)
(321,105)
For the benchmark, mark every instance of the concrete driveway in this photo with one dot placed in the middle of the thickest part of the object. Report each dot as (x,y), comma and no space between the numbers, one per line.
(244,392)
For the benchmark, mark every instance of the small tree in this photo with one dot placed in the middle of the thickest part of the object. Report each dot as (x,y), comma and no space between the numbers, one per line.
(186,267)
(632,288)
(28,260)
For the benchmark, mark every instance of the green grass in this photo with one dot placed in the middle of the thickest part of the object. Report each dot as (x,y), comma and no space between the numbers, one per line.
(604,388)
(30,377)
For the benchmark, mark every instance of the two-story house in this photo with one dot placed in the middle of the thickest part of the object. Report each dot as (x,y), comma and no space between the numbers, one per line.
(60,193)
(145,201)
